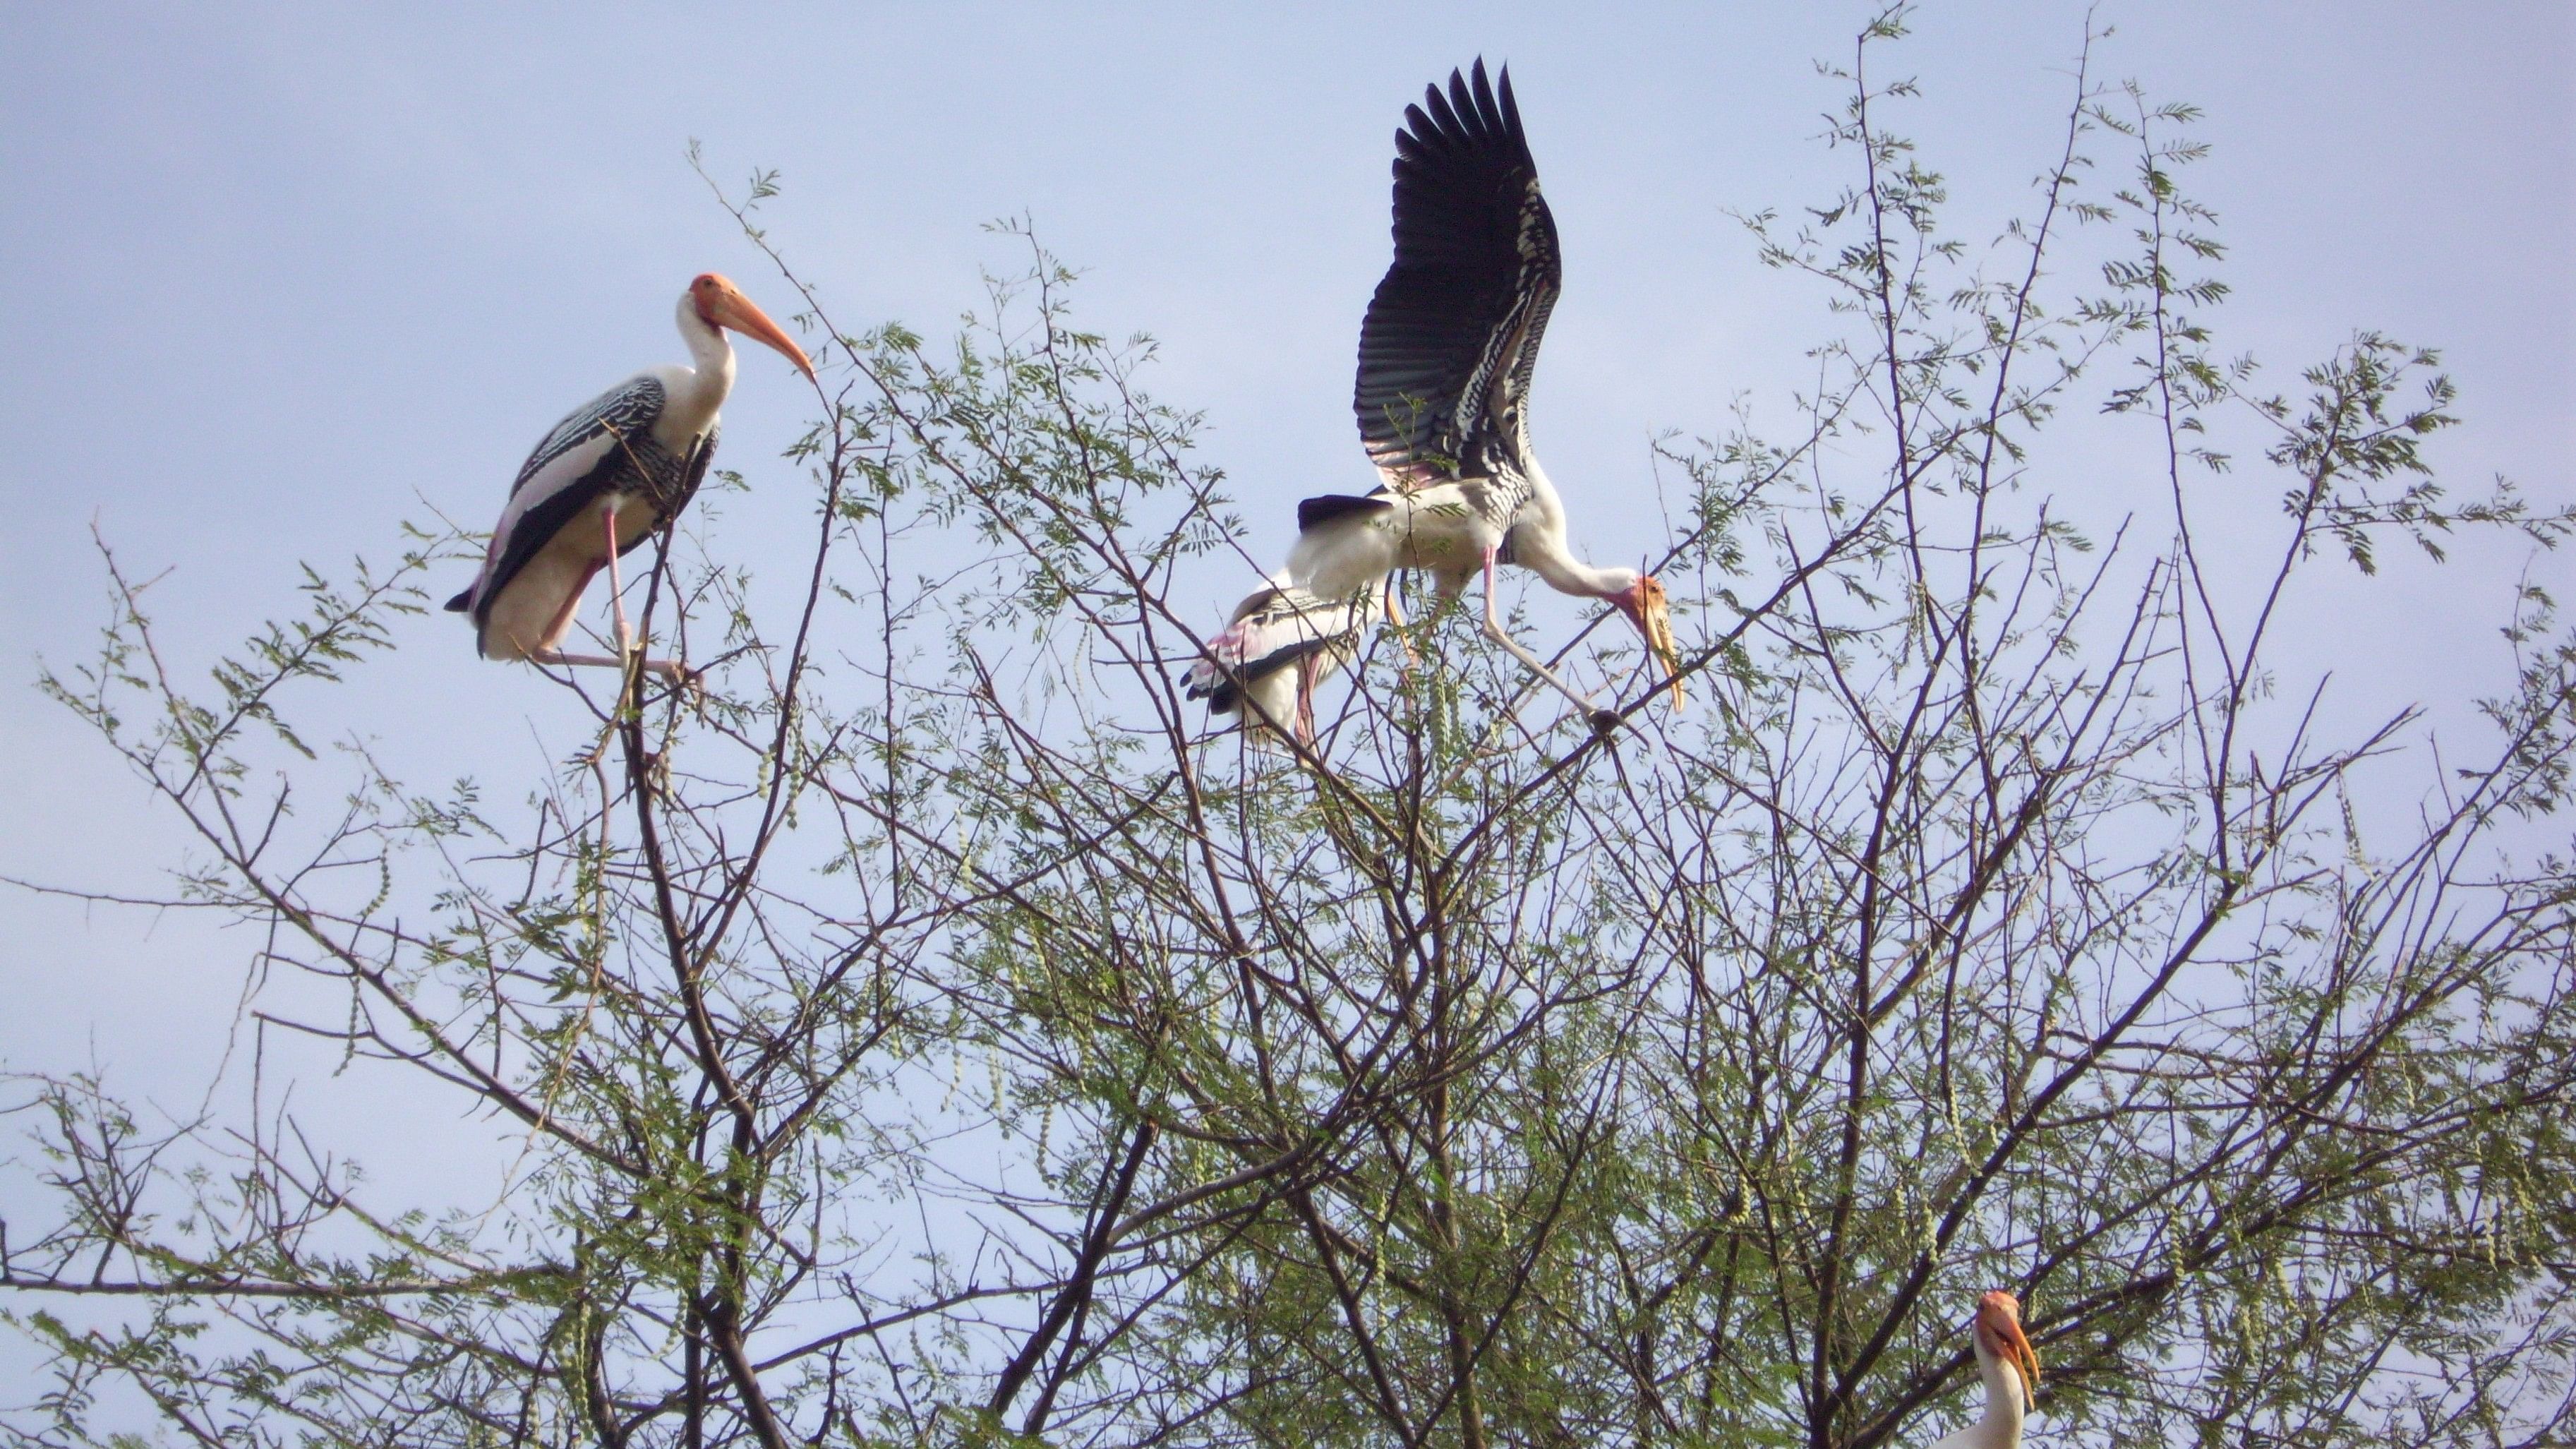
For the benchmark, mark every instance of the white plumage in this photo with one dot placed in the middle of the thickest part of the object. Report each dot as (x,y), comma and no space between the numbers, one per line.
(1447,352)
(602,480)
(2010,1369)
(1281,643)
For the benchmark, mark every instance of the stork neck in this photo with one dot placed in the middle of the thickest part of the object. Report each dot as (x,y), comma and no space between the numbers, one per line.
(1539,545)
(1541,549)
(2001,1426)
(711,377)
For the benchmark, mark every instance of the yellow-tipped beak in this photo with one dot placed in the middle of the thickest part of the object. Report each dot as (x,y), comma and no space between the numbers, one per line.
(730,308)
(1999,1315)
(2026,1359)
(1655,620)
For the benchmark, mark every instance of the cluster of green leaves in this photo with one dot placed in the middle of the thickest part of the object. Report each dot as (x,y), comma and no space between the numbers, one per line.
(935,1034)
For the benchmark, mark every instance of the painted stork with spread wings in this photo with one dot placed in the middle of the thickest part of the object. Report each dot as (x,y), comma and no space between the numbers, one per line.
(603,480)
(1447,353)
(2010,1368)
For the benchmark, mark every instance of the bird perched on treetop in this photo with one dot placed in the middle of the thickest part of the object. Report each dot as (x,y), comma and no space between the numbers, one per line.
(1447,353)
(603,480)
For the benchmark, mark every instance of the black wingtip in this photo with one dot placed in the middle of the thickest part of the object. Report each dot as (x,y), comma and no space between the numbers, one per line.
(461,602)
(1448,111)
(1483,90)
(1475,104)
(1314,512)
(1220,692)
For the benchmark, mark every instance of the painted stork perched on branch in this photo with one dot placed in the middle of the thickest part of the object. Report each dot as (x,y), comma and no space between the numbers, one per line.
(1447,352)
(2010,1367)
(603,480)
(1280,644)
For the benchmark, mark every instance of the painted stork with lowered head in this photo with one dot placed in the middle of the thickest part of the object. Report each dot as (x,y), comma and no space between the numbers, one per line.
(1447,352)
(2010,1368)
(603,480)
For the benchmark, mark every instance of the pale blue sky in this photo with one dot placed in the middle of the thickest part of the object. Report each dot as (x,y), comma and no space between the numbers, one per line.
(275,275)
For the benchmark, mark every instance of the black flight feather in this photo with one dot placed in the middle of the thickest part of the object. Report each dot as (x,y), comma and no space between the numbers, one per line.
(1314,512)
(1451,338)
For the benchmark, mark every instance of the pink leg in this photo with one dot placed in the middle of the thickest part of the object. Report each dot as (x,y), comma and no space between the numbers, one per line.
(616,585)
(1306,700)
(667,668)
(1395,616)
(670,669)
(1494,631)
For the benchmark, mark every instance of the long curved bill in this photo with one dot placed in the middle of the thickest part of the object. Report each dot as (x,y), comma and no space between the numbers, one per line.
(1655,621)
(732,309)
(2002,1316)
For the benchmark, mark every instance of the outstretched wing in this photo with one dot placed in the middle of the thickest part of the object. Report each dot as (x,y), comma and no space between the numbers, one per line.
(567,470)
(1451,338)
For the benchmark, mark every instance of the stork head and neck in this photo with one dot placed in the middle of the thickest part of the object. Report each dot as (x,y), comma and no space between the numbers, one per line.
(1634,592)
(2009,1366)
(712,304)
(1642,600)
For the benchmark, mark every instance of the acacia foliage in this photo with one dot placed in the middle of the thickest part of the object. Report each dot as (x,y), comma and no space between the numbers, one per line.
(934,1034)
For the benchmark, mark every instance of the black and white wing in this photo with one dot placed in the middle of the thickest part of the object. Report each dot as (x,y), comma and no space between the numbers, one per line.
(599,443)
(1451,338)
(692,472)
(1276,627)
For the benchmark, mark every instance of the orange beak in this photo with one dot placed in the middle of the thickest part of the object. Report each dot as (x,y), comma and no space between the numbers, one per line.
(726,306)
(1645,607)
(1999,1323)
